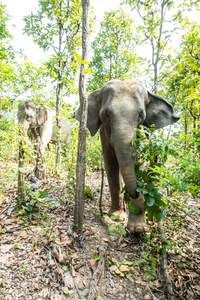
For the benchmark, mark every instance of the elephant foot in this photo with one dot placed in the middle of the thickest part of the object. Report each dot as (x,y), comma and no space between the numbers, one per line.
(136,221)
(120,212)
(39,173)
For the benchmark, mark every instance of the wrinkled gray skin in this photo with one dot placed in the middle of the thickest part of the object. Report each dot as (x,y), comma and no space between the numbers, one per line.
(42,122)
(118,108)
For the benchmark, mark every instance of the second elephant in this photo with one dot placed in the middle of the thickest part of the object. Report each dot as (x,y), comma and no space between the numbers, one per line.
(118,108)
(42,122)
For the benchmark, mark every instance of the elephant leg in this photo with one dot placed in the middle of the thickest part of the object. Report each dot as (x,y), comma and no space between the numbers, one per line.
(40,163)
(136,222)
(114,177)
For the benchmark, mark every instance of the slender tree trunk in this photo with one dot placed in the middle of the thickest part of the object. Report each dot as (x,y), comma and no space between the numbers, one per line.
(58,96)
(58,107)
(168,133)
(185,125)
(21,191)
(80,167)
(1,88)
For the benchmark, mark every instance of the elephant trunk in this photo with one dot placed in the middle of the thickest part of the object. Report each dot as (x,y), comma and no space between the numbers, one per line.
(24,127)
(124,150)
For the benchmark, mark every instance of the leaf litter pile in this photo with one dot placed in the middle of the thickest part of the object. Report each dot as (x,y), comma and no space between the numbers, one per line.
(46,259)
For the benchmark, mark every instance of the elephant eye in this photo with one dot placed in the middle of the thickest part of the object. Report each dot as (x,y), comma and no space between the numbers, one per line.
(141,117)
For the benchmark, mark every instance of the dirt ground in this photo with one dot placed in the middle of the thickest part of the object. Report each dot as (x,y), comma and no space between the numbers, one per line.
(46,259)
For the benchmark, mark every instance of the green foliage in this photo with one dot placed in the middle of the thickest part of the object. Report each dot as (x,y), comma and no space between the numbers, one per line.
(37,204)
(148,148)
(156,180)
(118,59)
(184,82)
(115,229)
(57,25)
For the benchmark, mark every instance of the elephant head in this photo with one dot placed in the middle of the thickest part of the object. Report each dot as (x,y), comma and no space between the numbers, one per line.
(31,115)
(119,107)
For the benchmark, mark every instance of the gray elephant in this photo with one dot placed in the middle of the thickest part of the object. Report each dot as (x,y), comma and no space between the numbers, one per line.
(42,122)
(118,108)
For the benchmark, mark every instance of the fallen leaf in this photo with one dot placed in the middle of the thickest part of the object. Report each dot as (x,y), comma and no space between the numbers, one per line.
(58,242)
(23,234)
(6,248)
(72,270)
(124,268)
(69,280)
(115,262)
(105,239)
(129,263)
(4,258)
(93,264)
(56,297)
(81,285)
(45,292)
(123,245)
(32,227)
(35,286)
(10,221)
(113,268)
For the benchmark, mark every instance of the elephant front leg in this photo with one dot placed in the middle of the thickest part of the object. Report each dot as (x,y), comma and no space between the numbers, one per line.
(114,179)
(136,221)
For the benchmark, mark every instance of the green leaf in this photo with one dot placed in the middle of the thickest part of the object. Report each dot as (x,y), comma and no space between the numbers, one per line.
(133,208)
(150,214)
(115,217)
(140,183)
(111,228)
(150,201)
(121,229)
(158,217)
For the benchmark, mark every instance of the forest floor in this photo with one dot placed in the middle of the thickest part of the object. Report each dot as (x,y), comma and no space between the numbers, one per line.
(45,259)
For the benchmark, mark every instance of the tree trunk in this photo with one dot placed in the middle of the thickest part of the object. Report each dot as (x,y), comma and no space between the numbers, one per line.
(80,167)
(58,107)
(58,95)
(185,125)
(21,191)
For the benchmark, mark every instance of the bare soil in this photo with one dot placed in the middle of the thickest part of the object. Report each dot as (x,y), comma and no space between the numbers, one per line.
(45,259)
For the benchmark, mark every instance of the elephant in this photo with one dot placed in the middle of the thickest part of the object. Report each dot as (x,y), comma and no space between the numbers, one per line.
(42,122)
(118,108)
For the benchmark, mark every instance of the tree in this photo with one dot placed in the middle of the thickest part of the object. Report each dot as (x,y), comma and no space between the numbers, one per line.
(6,50)
(80,167)
(56,25)
(182,78)
(160,20)
(114,54)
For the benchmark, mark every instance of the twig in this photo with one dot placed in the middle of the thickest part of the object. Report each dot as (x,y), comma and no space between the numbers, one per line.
(178,294)
(101,192)
(164,265)
(97,273)
(11,208)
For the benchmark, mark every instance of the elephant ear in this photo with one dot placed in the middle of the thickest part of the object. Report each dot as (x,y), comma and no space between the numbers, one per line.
(159,113)
(42,114)
(93,120)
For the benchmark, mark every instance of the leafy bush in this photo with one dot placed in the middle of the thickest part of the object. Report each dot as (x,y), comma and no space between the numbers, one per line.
(36,204)
(149,148)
